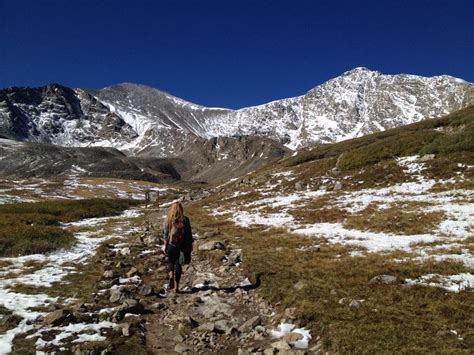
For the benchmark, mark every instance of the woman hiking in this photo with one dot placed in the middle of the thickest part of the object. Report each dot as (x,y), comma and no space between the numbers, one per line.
(178,243)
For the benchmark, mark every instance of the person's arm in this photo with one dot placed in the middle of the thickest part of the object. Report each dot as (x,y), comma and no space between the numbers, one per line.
(166,236)
(189,232)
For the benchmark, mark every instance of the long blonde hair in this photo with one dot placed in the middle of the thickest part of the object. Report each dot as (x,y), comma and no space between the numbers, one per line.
(175,211)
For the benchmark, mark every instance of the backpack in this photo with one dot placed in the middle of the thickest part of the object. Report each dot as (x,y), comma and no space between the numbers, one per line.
(177,232)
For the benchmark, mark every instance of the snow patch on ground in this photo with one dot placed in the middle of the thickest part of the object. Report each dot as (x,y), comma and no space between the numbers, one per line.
(54,267)
(453,283)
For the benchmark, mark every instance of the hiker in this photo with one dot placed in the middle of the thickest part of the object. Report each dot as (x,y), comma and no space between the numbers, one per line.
(178,243)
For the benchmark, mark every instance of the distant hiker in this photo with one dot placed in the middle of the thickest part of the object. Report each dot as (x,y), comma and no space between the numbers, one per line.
(178,243)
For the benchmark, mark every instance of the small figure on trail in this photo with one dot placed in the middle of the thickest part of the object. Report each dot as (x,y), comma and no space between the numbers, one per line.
(178,243)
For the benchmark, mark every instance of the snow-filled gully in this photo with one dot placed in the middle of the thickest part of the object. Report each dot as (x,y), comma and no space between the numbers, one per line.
(55,266)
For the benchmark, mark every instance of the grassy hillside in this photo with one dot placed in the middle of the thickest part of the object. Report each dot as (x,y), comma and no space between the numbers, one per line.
(322,224)
(30,228)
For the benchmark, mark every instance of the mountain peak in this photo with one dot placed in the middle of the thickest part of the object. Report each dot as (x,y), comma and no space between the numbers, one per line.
(360,70)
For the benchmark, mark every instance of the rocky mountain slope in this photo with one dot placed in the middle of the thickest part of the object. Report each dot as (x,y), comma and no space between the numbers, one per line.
(211,160)
(134,117)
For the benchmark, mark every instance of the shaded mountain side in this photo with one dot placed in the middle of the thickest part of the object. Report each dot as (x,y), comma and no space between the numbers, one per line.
(220,159)
(24,160)
(197,159)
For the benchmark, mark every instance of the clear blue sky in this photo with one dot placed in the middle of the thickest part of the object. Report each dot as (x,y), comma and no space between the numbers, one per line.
(229,53)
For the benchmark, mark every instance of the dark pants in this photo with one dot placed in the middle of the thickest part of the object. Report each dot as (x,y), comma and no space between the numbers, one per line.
(173,262)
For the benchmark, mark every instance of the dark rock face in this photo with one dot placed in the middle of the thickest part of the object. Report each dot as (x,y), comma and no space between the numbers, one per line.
(58,115)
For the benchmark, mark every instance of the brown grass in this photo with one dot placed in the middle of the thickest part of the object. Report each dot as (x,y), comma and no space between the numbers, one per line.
(400,218)
(393,318)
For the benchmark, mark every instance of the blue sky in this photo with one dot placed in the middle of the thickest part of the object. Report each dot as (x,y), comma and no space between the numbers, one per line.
(230,53)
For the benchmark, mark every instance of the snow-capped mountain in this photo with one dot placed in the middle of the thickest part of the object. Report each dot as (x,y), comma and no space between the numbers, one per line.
(136,118)
(356,103)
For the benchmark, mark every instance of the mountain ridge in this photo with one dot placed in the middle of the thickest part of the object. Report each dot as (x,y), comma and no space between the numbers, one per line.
(134,117)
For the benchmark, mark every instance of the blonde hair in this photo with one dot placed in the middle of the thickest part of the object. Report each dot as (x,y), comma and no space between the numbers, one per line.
(175,211)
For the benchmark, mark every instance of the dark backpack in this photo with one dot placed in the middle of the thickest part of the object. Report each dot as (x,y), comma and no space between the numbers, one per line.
(177,232)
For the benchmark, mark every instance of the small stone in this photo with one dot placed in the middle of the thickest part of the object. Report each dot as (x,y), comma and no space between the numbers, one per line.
(356,303)
(337,186)
(281,345)
(299,285)
(209,327)
(383,279)
(197,299)
(260,329)
(342,300)
(125,251)
(132,272)
(116,295)
(292,338)
(181,348)
(250,324)
(108,274)
(208,246)
(145,290)
(427,157)
(224,326)
(291,312)
(131,305)
(299,186)
(317,347)
(58,317)
(125,329)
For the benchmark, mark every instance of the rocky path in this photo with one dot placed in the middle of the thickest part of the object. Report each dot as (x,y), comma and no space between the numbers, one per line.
(217,311)
(131,311)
